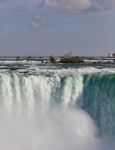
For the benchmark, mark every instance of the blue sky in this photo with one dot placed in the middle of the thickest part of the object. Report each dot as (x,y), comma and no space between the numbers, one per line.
(57,27)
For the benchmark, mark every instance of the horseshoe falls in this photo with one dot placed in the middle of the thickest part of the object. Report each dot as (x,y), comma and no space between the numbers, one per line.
(47,107)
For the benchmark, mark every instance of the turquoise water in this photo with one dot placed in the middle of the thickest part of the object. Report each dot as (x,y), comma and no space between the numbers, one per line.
(99,101)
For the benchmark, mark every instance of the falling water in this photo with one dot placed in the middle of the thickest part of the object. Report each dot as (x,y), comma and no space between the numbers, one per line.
(61,111)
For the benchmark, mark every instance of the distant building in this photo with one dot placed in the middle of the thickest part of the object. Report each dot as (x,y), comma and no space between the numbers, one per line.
(111,54)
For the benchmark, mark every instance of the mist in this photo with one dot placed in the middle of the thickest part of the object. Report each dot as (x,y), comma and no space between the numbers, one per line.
(59,129)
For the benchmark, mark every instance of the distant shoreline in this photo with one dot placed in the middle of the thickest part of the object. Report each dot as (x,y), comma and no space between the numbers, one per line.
(46,59)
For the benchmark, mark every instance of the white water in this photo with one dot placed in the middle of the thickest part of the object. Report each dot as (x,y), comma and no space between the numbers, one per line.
(28,94)
(39,113)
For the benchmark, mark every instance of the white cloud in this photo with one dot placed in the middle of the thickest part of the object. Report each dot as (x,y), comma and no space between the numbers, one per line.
(76,6)
(79,6)
(103,4)
(37,21)
(73,6)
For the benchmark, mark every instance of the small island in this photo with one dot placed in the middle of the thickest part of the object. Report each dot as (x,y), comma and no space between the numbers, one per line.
(67,59)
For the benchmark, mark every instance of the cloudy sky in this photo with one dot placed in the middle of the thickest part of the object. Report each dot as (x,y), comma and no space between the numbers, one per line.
(57,27)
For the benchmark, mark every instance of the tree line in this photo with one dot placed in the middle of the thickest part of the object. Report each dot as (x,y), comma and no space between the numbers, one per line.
(67,59)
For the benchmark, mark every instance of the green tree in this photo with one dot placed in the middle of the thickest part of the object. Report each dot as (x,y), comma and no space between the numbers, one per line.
(72,59)
(52,59)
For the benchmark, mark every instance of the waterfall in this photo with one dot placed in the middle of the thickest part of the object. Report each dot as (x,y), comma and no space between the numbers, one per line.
(41,112)
(78,107)
(99,101)
(31,94)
